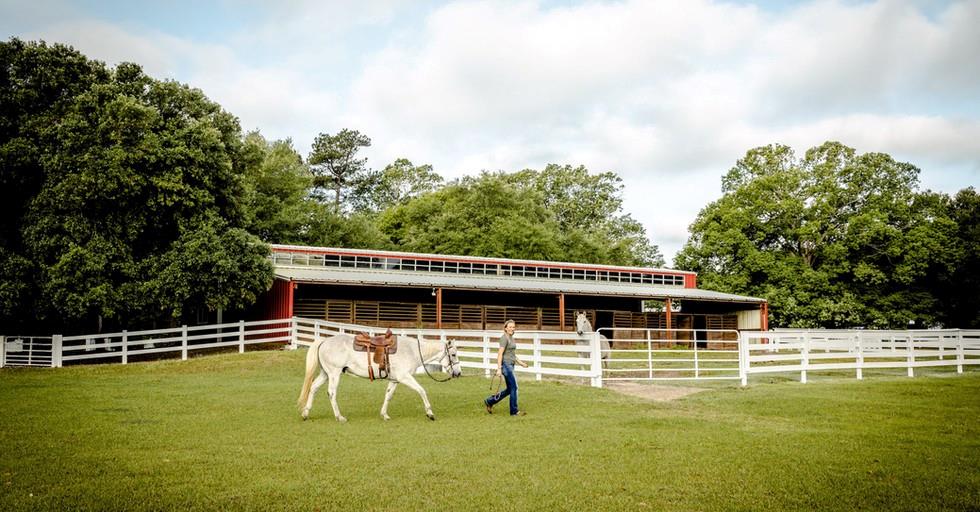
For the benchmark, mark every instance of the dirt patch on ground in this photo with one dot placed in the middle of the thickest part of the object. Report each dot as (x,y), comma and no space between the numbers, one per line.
(653,392)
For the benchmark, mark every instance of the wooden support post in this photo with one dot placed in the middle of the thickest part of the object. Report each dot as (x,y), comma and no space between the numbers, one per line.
(667,307)
(438,308)
(764,313)
(561,311)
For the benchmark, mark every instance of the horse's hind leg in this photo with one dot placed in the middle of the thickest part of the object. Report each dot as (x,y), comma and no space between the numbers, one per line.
(320,379)
(412,383)
(332,390)
(388,394)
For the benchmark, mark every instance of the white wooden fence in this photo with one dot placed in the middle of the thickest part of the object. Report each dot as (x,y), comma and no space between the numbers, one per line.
(545,352)
(55,351)
(803,351)
(639,357)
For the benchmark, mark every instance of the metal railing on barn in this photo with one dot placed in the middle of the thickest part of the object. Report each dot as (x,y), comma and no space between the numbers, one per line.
(636,354)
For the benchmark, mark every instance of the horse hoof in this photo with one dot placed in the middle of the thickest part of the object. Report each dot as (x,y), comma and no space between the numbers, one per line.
(386,417)
(431,417)
(341,419)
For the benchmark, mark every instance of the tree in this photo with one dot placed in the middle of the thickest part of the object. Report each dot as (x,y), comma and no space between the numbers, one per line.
(836,239)
(277,184)
(134,177)
(484,216)
(957,282)
(334,161)
(552,215)
(588,209)
(396,184)
(37,85)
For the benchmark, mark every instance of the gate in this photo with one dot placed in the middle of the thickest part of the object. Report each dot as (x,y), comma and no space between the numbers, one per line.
(671,354)
(29,351)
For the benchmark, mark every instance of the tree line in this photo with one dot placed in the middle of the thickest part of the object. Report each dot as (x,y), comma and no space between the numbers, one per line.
(129,201)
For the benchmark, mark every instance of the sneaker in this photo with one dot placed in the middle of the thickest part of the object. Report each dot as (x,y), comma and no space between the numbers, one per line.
(488,406)
(519,413)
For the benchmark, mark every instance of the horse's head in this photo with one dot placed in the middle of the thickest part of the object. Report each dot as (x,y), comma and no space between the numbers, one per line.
(450,360)
(582,324)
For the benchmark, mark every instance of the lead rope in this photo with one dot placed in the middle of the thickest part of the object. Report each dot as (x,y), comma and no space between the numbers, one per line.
(500,380)
(425,367)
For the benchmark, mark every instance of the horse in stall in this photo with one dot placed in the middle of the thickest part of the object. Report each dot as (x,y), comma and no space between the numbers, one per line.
(335,355)
(583,327)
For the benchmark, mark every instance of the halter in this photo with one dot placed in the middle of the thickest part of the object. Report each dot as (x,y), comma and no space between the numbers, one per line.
(448,356)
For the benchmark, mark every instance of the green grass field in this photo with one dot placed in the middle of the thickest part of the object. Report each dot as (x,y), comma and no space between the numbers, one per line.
(222,433)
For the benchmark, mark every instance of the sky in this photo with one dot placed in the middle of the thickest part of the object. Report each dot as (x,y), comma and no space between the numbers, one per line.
(667,94)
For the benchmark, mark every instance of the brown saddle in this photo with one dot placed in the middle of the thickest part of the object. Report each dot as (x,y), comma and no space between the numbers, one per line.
(381,346)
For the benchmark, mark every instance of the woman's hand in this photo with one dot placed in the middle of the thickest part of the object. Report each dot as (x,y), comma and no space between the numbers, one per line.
(522,363)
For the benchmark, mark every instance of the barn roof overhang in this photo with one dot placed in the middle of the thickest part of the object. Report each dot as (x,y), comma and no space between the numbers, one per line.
(362,277)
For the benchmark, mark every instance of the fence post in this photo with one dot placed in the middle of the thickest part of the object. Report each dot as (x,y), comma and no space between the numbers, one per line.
(805,357)
(860,356)
(596,361)
(241,336)
(486,354)
(125,347)
(294,334)
(57,343)
(536,355)
(183,342)
(649,354)
(697,370)
(743,358)
(911,353)
(959,351)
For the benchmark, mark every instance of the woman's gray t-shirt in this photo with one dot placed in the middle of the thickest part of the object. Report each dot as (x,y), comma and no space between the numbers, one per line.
(510,348)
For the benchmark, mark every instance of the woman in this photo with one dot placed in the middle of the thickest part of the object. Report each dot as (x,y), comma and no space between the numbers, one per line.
(506,357)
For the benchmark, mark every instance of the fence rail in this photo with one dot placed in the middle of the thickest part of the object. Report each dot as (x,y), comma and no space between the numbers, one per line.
(636,354)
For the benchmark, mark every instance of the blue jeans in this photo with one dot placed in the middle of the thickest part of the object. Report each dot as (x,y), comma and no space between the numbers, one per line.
(508,370)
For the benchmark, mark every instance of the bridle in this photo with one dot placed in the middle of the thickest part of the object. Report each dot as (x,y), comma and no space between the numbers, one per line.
(446,353)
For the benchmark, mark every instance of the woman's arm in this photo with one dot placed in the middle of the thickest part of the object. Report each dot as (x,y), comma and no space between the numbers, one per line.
(500,359)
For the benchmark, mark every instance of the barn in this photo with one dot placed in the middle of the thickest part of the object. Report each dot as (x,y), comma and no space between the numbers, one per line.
(403,289)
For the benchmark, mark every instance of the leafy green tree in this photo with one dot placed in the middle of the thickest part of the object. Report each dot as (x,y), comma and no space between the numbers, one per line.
(396,184)
(37,84)
(328,227)
(277,184)
(484,216)
(134,175)
(561,213)
(334,162)
(588,209)
(957,283)
(835,239)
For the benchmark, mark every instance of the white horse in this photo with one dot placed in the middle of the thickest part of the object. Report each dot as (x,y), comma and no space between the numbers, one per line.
(335,355)
(583,327)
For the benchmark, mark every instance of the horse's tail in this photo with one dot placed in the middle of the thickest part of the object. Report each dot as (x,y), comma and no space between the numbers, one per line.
(312,363)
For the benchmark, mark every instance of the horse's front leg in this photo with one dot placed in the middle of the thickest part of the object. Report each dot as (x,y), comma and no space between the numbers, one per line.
(388,394)
(412,383)
(332,389)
